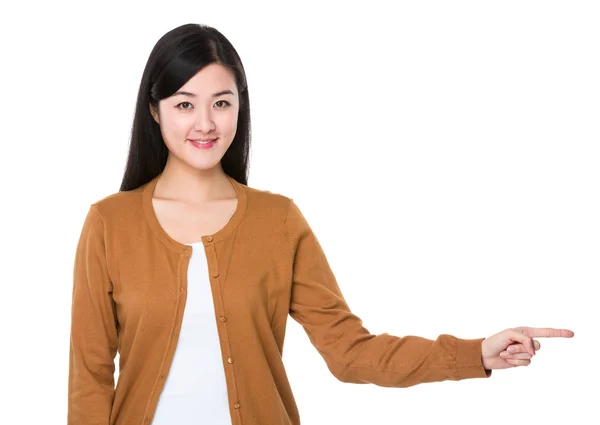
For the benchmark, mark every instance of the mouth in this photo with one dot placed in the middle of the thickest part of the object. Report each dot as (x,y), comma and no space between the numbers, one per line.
(203,144)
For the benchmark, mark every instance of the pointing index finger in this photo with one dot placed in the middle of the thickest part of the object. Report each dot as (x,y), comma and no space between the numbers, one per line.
(548,333)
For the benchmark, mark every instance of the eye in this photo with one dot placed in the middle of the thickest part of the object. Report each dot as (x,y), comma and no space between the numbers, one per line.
(183,103)
(224,101)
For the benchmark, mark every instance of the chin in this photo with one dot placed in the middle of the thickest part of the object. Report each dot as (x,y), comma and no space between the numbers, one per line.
(203,166)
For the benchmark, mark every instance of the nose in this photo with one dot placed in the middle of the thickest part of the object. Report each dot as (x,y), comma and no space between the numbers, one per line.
(204,122)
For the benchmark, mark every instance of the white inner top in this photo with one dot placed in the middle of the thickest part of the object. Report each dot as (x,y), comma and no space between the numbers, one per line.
(195,389)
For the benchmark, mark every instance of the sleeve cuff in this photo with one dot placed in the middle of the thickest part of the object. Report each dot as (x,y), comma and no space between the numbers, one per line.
(469,363)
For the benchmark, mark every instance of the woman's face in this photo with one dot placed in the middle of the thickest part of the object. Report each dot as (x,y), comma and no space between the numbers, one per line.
(206,107)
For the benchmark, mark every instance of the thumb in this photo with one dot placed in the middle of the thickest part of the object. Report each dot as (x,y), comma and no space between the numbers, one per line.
(518,335)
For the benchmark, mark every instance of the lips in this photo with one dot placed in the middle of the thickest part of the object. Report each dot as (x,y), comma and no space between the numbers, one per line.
(203,140)
(203,145)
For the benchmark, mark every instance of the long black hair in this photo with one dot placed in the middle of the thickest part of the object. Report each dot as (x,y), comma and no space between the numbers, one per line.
(178,56)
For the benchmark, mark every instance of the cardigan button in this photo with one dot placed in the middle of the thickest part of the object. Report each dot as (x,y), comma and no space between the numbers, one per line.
(222,319)
(236,405)
(216,274)
(230,360)
(209,238)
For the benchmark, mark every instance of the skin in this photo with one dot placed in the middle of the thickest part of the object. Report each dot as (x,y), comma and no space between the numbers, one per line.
(195,176)
(516,346)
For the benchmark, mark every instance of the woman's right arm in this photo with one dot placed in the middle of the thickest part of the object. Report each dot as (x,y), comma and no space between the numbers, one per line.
(93,343)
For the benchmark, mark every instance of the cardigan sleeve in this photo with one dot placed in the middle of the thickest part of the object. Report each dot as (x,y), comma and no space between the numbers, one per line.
(351,352)
(93,340)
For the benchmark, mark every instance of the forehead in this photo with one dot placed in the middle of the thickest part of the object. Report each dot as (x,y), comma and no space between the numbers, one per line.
(211,79)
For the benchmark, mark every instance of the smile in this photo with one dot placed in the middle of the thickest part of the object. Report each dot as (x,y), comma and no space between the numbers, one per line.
(202,145)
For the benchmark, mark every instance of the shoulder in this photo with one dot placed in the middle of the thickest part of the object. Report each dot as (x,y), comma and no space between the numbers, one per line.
(264,201)
(278,208)
(120,206)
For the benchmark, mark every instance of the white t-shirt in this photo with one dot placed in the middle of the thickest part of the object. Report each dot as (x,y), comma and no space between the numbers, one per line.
(195,389)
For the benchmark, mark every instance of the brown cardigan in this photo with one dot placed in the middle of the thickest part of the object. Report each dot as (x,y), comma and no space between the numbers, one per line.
(129,294)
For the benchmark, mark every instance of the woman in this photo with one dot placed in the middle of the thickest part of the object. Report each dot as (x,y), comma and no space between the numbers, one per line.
(190,274)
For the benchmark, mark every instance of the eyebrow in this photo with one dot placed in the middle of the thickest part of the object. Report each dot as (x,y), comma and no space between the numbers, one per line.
(185,93)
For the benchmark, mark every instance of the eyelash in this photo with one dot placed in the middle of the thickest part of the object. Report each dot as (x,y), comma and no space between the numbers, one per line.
(178,106)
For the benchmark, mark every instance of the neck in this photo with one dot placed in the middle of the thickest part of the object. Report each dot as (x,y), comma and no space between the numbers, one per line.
(189,184)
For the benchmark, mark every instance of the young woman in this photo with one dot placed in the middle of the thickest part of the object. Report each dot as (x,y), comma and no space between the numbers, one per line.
(190,274)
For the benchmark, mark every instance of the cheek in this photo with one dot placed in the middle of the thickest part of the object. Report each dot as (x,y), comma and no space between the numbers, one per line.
(228,123)
(176,127)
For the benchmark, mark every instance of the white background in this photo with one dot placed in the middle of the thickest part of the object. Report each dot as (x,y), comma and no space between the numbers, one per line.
(446,154)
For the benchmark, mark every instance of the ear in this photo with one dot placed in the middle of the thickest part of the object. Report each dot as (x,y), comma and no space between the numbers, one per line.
(154,114)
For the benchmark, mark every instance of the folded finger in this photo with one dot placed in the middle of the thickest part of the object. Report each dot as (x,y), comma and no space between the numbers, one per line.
(519,362)
(520,336)
(520,348)
(522,356)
